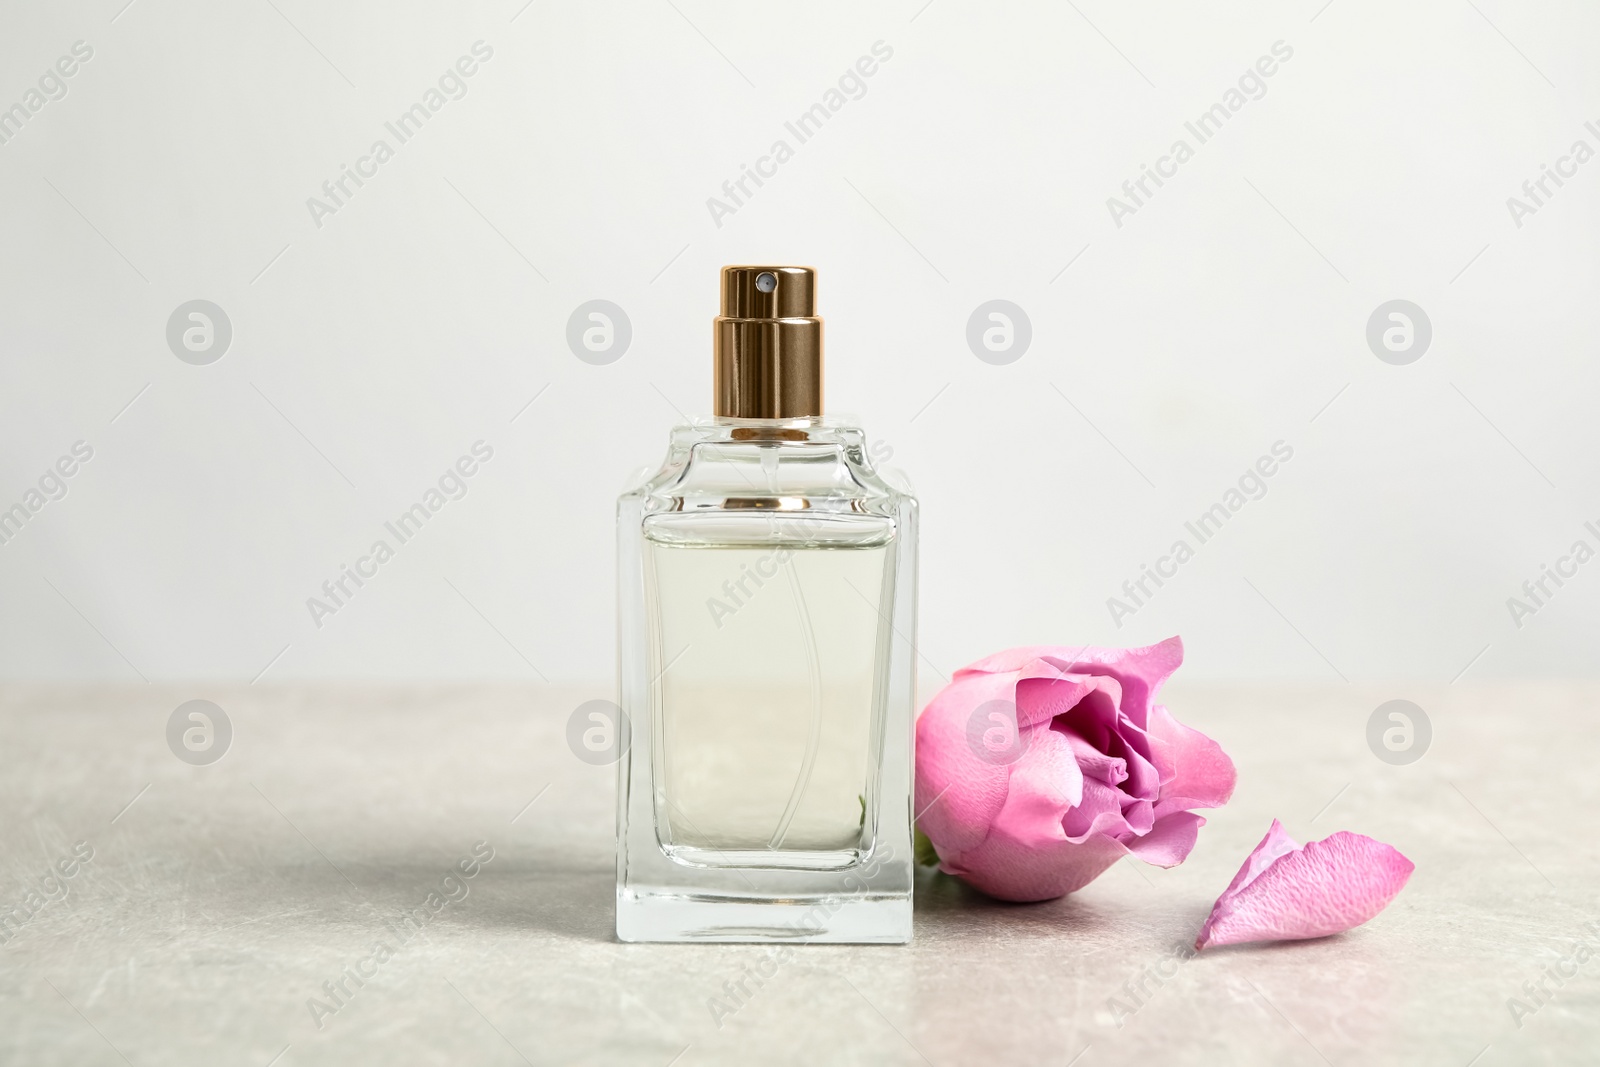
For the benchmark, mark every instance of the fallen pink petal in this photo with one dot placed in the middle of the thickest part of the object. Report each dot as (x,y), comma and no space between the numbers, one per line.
(1288,892)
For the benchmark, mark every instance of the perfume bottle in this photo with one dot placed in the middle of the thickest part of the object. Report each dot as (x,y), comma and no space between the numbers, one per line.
(767,612)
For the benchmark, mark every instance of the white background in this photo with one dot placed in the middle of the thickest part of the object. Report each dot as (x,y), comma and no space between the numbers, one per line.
(372,351)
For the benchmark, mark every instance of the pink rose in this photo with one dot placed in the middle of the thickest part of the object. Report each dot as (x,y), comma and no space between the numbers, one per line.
(1038,768)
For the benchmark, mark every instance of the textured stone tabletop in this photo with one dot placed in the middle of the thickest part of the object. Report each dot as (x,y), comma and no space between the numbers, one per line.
(216,901)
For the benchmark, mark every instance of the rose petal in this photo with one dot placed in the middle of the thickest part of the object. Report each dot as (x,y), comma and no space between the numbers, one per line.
(1202,775)
(1043,693)
(957,792)
(1276,843)
(1010,870)
(1133,745)
(1169,842)
(1045,785)
(1099,813)
(1286,891)
(1141,671)
(1094,763)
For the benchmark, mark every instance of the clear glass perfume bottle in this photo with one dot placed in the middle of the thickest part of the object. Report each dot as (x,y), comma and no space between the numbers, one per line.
(767,603)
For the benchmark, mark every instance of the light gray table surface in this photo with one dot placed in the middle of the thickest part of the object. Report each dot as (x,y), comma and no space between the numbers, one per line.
(219,899)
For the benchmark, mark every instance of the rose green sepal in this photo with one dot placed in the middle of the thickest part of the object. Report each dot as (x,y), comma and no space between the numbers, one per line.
(922,849)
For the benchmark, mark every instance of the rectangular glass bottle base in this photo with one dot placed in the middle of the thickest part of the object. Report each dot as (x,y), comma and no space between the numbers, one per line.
(644,915)
(766,627)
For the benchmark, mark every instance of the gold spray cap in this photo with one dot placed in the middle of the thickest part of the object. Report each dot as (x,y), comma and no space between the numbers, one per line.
(768,346)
